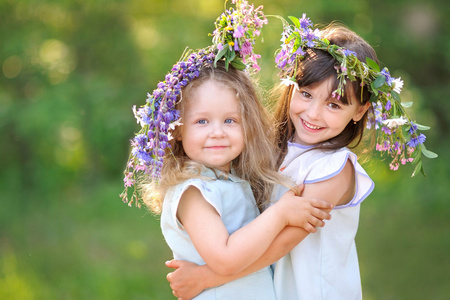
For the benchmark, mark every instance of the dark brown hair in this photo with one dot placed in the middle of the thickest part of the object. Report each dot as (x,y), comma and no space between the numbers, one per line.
(317,66)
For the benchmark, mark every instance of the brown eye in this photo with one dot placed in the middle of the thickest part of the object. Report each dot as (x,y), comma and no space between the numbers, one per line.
(333,105)
(306,95)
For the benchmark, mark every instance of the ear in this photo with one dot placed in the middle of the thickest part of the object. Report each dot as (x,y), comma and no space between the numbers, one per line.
(361,111)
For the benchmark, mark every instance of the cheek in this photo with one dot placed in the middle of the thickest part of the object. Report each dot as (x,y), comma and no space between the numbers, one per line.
(292,108)
(296,104)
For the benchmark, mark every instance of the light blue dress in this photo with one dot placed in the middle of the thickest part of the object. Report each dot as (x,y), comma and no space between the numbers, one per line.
(234,201)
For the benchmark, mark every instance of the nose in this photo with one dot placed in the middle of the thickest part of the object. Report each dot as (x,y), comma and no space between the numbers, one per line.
(314,110)
(217,130)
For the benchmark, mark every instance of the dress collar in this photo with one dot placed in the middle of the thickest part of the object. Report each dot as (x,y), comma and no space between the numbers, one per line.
(217,174)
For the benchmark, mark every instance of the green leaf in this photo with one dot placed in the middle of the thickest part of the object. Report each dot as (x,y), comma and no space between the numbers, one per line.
(396,96)
(232,55)
(405,129)
(374,91)
(407,104)
(238,64)
(417,169)
(427,152)
(295,21)
(416,154)
(374,96)
(384,88)
(379,81)
(423,172)
(423,127)
(220,54)
(372,64)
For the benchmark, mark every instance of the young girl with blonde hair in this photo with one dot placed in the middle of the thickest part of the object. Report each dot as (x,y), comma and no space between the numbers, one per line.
(207,143)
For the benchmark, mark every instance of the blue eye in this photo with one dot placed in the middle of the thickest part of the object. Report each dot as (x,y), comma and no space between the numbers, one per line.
(229,121)
(202,121)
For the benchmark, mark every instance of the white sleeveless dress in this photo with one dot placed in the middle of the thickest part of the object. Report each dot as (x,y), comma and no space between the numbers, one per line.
(325,264)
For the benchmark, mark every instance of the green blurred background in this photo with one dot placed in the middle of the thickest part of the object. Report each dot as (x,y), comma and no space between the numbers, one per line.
(72,69)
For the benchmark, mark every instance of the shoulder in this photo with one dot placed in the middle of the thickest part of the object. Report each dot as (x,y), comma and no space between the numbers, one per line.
(340,171)
(196,188)
(207,187)
(323,165)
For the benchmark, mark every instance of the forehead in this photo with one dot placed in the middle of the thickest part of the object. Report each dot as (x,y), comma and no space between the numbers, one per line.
(212,96)
(328,86)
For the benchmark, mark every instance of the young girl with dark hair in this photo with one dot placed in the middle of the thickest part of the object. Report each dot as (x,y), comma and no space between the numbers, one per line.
(331,83)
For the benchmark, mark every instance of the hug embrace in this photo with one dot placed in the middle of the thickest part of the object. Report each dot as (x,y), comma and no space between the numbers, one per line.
(265,205)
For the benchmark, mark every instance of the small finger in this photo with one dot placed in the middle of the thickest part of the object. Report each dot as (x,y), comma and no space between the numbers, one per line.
(174,264)
(315,222)
(320,214)
(322,204)
(319,223)
(310,228)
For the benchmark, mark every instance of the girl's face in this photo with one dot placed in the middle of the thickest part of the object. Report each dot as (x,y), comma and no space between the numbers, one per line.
(317,117)
(212,132)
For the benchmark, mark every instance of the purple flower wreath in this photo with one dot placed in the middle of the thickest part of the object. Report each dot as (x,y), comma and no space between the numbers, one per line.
(233,41)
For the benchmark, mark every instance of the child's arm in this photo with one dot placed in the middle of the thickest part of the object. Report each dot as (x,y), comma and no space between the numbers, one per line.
(228,254)
(338,190)
(190,279)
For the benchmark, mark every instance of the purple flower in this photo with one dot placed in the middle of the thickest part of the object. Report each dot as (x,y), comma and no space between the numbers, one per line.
(347,52)
(386,74)
(386,130)
(143,155)
(388,105)
(416,140)
(309,37)
(239,32)
(413,128)
(141,140)
(236,45)
(300,52)
(281,59)
(305,22)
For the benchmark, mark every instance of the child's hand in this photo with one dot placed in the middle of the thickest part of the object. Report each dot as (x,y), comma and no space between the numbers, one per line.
(304,212)
(188,280)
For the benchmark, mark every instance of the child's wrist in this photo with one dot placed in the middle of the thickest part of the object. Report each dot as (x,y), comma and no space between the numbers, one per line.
(279,210)
(208,277)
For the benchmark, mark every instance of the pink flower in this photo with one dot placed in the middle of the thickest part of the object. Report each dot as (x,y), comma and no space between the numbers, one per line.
(246,48)
(128,181)
(394,165)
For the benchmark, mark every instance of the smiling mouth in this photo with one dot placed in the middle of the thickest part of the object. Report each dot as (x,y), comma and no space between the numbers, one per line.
(311,126)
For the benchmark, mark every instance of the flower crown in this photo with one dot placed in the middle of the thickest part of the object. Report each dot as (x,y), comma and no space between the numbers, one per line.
(398,135)
(233,41)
